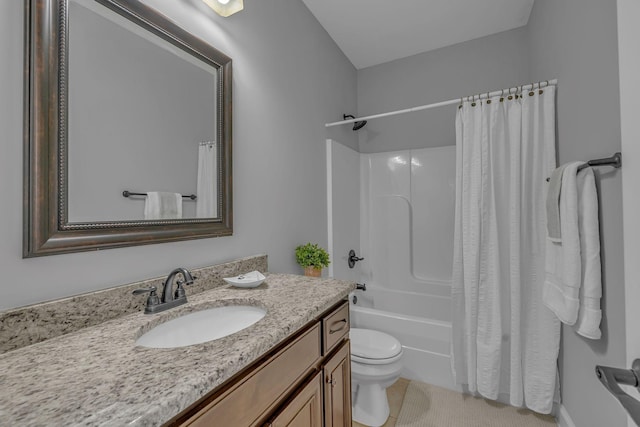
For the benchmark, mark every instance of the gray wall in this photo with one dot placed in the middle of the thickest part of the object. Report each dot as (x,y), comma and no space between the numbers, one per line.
(575,41)
(481,65)
(289,79)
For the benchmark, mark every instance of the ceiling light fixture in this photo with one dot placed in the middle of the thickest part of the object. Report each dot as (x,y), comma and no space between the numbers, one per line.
(225,7)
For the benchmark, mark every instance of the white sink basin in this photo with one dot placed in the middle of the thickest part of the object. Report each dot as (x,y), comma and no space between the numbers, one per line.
(201,326)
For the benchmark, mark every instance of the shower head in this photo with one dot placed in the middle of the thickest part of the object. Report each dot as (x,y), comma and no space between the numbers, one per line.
(356,125)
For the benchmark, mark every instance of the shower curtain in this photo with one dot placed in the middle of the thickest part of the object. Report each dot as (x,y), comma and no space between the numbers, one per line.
(207,185)
(505,341)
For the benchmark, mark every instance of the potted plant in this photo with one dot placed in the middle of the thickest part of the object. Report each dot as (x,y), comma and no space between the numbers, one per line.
(312,258)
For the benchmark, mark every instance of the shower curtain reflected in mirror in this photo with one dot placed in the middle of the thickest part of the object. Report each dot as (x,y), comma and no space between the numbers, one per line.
(505,341)
(207,185)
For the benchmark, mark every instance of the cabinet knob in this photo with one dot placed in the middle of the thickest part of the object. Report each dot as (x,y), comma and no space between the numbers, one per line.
(332,381)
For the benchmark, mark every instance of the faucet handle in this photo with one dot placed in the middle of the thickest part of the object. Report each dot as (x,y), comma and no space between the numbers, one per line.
(152,290)
(180,292)
(153,297)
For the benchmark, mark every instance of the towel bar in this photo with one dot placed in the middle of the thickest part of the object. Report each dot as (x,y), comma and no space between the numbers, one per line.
(615,161)
(127,193)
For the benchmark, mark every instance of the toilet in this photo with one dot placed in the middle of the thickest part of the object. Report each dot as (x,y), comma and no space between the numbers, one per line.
(375,365)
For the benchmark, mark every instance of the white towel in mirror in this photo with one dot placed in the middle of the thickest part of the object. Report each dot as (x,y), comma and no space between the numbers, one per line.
(207,184)
(163,205)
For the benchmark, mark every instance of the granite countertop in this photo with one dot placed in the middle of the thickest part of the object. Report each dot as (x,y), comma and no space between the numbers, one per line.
(98,377)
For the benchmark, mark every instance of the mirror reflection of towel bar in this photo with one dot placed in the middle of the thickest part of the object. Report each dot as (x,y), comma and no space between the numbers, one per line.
(127,193)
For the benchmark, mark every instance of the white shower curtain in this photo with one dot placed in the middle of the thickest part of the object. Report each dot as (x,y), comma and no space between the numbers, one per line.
(505,341)
(207,186)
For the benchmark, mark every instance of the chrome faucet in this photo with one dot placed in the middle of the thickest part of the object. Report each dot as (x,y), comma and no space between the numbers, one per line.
(169,298)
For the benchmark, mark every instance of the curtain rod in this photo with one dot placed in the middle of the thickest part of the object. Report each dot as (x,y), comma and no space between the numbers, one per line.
(443,103)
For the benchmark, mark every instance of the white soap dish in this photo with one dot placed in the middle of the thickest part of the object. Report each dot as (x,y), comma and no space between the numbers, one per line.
(247,280)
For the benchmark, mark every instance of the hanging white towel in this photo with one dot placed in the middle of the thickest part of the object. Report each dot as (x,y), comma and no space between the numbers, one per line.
(589,315)
(573,286)
(561,289)
(207,184)
(163,205)
(554,232)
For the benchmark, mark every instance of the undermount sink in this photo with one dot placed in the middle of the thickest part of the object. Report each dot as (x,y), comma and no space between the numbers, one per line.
(201,326)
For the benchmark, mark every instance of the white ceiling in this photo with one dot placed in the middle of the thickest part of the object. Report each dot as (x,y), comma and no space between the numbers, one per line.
(371,32)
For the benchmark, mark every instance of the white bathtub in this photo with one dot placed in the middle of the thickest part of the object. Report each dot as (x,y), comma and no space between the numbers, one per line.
(420,321)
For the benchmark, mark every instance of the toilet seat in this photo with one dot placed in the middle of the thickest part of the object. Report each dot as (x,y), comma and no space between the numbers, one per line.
(374,347)
(367,361)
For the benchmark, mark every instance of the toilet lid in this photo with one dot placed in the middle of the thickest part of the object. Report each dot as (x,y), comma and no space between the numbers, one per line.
(370,344)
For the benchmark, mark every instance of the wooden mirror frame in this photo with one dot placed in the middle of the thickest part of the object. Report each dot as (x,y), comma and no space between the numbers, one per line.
(47,230)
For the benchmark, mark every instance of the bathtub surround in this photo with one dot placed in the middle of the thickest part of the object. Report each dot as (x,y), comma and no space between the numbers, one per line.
(24,326)
(97,376)
(407,243)
(505,341)
(407,240)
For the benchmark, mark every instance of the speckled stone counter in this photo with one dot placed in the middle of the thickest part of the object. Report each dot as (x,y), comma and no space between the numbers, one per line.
(98,377)
(23,326)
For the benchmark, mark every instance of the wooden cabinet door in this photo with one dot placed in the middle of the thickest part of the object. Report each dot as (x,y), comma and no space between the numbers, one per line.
(304,409)
(257,394)
(337,388)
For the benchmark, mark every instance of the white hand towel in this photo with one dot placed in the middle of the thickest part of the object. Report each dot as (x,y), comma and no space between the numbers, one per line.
(162,205)
(573,282)
(563,266)
(589,316)
(554,232)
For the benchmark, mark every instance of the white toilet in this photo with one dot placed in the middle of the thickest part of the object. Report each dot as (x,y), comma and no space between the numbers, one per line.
(375,365)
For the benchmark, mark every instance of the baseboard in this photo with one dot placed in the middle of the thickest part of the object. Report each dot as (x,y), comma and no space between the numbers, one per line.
(563,418)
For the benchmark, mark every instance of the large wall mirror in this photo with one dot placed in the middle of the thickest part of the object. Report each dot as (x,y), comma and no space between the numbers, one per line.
(127,129)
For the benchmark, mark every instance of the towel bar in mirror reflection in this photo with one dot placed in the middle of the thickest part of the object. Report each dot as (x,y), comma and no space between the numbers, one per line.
(95,120)
(127,193)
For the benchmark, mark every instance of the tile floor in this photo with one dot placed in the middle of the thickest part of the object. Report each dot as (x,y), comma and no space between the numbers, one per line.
(395,394)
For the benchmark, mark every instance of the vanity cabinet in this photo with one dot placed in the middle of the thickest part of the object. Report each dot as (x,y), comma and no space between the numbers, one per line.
(304,409)
(337,388)
(305,381)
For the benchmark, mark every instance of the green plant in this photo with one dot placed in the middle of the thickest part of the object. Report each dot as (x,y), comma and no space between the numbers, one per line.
(311,255)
